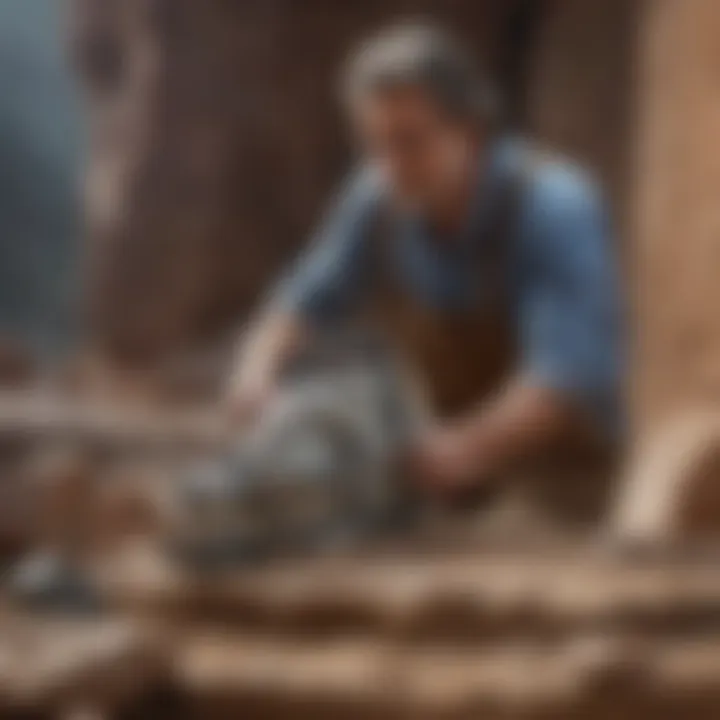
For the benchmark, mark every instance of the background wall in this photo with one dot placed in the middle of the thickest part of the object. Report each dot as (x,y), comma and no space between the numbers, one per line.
(581,92)
(216,140)
(215,144)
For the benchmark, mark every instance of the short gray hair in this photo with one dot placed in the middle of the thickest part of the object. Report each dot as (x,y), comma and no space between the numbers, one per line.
(425,56)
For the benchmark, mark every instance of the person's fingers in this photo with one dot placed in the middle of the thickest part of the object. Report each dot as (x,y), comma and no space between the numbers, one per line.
(241,410)
(246,404)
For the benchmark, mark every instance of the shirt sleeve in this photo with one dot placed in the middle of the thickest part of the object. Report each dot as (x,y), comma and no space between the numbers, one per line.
(329,277)
(570,319)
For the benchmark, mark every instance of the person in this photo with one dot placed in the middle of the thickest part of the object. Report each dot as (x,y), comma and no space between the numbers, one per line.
(488,262)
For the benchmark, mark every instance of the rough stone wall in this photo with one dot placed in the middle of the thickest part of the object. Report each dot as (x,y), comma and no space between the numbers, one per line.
(676,248)
(214,146)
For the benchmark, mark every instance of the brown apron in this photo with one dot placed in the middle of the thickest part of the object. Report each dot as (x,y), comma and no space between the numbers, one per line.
(465,356)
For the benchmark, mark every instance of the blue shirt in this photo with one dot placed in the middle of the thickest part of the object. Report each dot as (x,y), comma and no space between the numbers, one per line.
(566,294)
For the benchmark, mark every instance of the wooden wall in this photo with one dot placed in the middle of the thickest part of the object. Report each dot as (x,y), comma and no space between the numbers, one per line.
(676,235)
(216,139)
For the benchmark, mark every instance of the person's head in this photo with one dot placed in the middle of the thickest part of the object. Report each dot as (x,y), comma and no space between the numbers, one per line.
(418,105)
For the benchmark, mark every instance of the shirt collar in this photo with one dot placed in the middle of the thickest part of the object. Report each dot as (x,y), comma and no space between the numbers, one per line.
(490,169)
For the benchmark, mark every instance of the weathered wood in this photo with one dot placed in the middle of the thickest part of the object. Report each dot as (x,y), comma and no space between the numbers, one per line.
(671,492)
(470,598)
(40,417)
(52,665)
(585,678)
(675,247)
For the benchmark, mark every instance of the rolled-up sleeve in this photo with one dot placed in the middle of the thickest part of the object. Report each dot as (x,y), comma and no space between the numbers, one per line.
(570,308)
(329,277)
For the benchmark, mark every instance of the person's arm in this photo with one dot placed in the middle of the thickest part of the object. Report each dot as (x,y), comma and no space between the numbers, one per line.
(522,421)
(263,351)
(323,286)
(569,332)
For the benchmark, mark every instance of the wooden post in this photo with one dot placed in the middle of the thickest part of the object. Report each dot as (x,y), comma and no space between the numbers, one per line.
(673,490)
(676,256)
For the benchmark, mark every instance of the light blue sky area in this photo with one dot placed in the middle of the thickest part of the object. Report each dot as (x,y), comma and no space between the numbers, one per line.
(40,171)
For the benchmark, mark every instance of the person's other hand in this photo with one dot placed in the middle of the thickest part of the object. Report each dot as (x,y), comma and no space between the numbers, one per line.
(441,462)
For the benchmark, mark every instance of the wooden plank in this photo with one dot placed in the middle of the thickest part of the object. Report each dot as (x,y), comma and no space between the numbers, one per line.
(591,677)
(466,597)
(42,416)
(56,664)
(675,290)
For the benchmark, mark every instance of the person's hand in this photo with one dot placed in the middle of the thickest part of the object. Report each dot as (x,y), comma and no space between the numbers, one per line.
(247,397)
(442,463)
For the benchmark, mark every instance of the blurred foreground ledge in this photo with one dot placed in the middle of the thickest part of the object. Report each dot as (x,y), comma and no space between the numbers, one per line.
(514,634)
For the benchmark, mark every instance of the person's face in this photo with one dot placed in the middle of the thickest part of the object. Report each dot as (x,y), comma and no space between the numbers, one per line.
(421,151)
